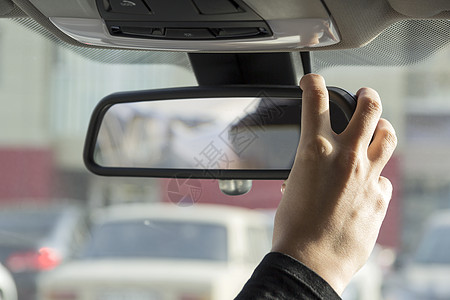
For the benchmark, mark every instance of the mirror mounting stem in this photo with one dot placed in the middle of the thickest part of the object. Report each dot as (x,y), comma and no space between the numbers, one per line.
(235,187)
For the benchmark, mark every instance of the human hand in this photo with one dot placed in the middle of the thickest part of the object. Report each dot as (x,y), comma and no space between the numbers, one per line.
(335,199)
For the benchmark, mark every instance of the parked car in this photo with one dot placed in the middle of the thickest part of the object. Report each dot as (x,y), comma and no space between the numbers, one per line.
(37,239)
(162,251)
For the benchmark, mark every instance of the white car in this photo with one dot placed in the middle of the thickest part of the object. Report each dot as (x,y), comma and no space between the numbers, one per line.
(163,251)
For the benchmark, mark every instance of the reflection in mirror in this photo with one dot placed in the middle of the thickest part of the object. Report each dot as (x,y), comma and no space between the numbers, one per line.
(208,134)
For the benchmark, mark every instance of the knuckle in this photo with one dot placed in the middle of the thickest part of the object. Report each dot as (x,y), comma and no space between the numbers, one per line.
(381,205)
(385,194)
(350,160)
(390,138)
(372,105)
(318,91)
(316,149)
(386,186)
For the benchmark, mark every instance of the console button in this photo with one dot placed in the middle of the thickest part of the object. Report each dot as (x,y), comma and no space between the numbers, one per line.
(136,30)
(129,7)
(188,33)
(139,31)
(158,32)
(237,32)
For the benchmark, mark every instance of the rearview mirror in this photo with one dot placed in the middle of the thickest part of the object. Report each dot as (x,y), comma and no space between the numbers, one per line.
(203,132)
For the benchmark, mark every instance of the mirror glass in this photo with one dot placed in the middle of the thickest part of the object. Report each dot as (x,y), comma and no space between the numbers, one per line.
(207,133)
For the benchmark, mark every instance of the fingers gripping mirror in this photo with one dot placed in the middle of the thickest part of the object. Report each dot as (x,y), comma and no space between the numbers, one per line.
(231,132)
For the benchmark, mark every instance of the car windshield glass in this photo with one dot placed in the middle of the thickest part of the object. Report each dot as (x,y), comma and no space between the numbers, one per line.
(49,91)
(435,247)
(158,239)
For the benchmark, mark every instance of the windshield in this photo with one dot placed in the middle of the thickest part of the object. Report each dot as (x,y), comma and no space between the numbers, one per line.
(48,93)
(158,239)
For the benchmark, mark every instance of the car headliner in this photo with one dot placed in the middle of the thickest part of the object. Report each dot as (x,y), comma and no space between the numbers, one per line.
(358,21)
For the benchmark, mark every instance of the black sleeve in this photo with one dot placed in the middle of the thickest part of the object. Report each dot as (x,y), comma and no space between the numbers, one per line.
(280,276)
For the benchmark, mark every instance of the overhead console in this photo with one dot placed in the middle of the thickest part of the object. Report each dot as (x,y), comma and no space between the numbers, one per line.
(196,25)
(182,19)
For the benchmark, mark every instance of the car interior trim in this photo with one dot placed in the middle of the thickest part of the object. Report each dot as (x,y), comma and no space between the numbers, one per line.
(95,32)
(244,68)
(370,22)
